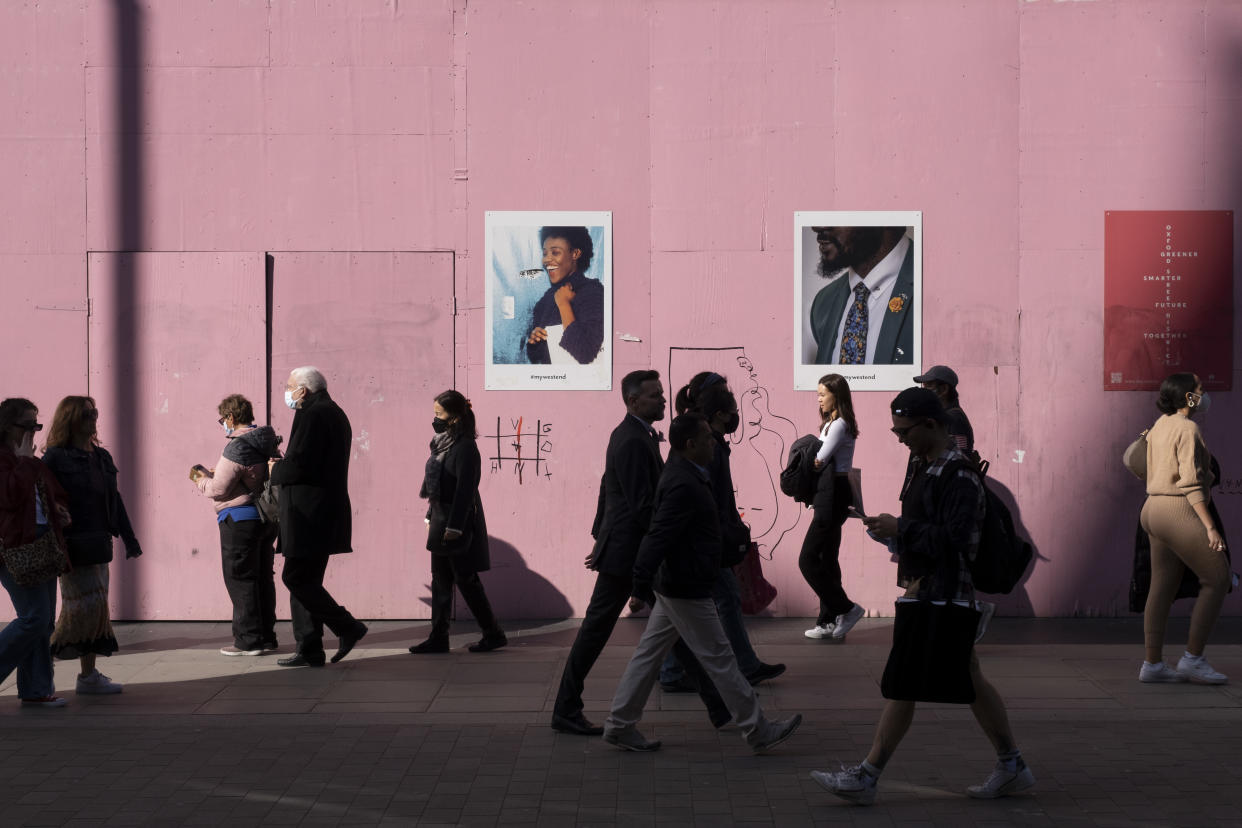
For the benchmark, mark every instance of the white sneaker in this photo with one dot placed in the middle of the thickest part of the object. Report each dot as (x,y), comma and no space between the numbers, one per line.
(1159,674)
(1198,671)
(846,622)
(820,631)
(234,651)
(1004,782)
(854,784)
(97,684)
(986,610)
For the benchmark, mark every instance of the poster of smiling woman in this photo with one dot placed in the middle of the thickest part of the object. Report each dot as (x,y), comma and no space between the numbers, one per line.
(858,310)
(548,300)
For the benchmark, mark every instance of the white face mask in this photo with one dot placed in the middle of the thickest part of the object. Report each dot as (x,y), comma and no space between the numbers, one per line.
(290,401)
(226,428)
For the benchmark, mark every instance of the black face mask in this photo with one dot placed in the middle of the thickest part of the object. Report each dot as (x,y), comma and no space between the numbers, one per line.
(731,422)
(439,426)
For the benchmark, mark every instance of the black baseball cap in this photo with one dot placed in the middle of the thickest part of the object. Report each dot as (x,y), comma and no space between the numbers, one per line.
(915,403)
(939,373)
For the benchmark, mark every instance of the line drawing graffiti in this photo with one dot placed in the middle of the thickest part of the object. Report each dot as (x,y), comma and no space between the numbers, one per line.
(509,446)
(766,434)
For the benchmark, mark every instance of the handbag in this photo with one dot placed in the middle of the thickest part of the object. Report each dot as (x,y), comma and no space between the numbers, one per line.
(755,590)
(930,659)
(1134,457)
(36,562)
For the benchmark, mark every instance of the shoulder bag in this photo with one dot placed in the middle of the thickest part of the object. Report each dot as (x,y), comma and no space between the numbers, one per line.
(1134,457)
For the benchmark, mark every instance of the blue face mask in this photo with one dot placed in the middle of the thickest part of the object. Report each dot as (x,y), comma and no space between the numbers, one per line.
(226,428)
(290,401)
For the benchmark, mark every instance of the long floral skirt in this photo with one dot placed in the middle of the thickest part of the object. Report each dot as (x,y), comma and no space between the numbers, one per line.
(84,627)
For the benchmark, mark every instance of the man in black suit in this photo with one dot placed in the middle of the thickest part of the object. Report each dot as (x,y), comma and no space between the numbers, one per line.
(677,566)
(315,516)
(631,471)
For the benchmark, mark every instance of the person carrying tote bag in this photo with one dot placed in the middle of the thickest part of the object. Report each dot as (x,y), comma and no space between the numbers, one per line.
(31,510)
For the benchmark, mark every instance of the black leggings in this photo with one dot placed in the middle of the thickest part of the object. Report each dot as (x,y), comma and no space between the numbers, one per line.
(820,557)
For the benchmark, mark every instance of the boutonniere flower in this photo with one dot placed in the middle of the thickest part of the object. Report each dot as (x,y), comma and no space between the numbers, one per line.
(896,303)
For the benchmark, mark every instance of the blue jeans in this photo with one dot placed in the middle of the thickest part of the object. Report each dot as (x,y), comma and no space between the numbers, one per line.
(728,598)
(25,644)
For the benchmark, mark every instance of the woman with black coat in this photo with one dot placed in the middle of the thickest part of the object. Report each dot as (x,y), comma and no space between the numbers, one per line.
(456,529)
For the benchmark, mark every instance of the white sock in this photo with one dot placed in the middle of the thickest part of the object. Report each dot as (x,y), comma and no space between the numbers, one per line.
(1188,657)
(871,770)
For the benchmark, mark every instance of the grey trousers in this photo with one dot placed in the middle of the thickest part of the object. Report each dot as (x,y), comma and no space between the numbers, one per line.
(694,620)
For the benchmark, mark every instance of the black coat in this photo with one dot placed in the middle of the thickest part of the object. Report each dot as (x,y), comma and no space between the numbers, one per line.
(632,469)
(454,504)
(315,514)
(680,554)
(94,503)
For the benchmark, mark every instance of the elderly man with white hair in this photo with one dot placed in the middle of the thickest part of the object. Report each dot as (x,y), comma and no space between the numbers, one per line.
(315,516)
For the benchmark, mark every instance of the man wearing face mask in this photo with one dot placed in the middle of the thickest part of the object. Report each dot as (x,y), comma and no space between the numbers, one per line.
(709,394)
(315,516)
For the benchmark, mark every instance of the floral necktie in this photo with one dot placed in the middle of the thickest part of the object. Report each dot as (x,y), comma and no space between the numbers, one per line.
(854,342)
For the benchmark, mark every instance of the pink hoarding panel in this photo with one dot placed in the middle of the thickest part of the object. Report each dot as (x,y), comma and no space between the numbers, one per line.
(171,334)
(43,328)
(380,328)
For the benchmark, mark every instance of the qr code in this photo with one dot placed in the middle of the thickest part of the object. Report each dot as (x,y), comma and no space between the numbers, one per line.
(1115,376)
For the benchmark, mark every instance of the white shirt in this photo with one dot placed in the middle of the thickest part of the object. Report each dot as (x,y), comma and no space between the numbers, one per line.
(880,281)
(837,444)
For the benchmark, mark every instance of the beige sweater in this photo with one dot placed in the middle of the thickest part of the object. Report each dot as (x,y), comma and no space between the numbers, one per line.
(1178,462)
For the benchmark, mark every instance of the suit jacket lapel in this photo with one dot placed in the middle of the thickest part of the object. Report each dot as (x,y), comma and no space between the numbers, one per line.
(890,330)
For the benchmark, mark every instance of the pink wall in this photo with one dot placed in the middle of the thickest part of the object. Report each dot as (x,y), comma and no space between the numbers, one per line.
(359,144)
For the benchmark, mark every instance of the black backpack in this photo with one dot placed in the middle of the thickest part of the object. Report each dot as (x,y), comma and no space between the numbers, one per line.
(267,501)
(1002,557)
(798,478)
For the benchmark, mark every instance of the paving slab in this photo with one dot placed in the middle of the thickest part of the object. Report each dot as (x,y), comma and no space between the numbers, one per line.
(388,738)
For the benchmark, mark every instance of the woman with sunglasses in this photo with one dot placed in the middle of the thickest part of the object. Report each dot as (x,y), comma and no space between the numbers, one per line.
(30,507)
(86,471)
(821,549)
(1183,535)
(247,544)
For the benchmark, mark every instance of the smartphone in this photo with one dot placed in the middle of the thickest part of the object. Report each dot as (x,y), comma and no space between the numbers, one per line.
(855,513)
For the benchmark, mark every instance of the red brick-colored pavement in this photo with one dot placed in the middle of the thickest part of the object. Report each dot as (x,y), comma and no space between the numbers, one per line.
(386,738)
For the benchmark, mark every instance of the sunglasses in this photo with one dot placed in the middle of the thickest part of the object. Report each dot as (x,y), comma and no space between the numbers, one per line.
(902,431)
(30,426)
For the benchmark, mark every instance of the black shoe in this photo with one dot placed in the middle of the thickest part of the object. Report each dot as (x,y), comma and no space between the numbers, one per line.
(299,660)
(631,739)
(681,685)
(271,645)
(577,724)
(764,672)
(431,645)
(348,641)
(488,643)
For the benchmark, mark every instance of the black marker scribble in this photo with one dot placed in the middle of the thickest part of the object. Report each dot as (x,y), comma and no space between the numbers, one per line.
(767,435)
(537,446)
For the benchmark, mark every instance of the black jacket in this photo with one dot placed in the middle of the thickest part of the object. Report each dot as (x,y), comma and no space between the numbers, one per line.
(583,338)
(451,485)
(631,472)
(680,554)
(94,504)
(315,514)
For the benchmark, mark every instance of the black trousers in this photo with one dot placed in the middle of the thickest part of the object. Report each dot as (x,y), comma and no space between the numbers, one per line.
(608,599)
(446,572)
(247,558)
(311,606)
(820,557)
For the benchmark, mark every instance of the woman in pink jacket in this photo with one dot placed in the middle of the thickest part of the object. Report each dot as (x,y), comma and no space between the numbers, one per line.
(246,542)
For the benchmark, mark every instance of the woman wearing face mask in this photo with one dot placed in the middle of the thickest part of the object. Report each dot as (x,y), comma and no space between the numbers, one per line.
(821,549)
(572,304)
(1182,532)
(708,393)
(456,529)
(30,507)
(247,544)
(87,473)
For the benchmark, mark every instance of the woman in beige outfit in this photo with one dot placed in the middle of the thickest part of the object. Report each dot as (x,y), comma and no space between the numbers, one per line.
(1182,532)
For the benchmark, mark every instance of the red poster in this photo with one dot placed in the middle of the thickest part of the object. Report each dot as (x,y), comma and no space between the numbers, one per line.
(1168,297)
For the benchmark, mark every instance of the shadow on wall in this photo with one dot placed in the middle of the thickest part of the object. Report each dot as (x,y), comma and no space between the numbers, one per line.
(127,30)
(515,590)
